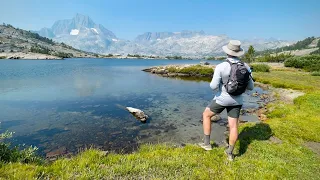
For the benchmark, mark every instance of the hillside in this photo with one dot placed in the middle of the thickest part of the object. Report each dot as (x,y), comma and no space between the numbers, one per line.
(20,44)
(307,46)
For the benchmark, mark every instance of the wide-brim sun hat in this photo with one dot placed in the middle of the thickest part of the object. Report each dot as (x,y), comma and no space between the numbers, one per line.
(233,48)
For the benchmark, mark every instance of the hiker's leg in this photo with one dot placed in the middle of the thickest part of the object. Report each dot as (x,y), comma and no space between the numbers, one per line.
(207,114)
(212,109)
(233,128)
(233,117)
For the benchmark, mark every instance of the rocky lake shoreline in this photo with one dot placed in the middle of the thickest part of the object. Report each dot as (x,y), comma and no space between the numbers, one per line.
(30,56)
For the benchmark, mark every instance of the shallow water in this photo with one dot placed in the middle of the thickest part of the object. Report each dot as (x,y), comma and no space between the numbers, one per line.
(78,103)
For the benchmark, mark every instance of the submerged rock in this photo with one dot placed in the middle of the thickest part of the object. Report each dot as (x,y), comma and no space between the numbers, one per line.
(137,113)
(215,118)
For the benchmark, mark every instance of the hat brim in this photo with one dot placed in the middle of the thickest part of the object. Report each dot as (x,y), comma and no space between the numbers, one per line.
(233,53)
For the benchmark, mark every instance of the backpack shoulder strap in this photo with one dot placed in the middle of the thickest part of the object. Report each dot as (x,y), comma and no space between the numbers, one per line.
(229,62)
(239,62)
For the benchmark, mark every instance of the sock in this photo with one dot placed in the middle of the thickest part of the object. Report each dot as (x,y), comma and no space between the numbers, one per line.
(206,139)
(230,149)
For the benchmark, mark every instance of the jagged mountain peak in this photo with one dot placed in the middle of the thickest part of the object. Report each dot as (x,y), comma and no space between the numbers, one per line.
(80,21)
(79,24)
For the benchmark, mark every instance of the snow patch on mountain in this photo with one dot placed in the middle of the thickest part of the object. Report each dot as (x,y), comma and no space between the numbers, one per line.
(74,32)
(95,30)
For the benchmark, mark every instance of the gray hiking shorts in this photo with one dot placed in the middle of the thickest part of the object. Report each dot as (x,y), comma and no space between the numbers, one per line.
(233,111)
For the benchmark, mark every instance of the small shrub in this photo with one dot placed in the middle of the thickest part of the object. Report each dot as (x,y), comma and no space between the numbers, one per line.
(315,73)
(3,57)
(260,67)
(14,154)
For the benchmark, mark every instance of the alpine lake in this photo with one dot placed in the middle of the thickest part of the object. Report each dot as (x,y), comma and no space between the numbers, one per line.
(65,106)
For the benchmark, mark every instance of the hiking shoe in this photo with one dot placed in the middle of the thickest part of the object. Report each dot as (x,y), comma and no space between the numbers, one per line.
(230,156)
(206,147)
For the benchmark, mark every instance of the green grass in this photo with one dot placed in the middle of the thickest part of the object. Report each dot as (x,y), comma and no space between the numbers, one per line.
(262,160)
(257,157)
(300,121)
(260,67)
(193,70)
(287,79)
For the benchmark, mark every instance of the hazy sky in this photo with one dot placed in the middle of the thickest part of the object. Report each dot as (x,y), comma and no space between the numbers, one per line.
(283,19)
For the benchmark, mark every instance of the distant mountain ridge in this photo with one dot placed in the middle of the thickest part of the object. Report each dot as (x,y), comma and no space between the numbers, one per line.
(154,36)
(83,33)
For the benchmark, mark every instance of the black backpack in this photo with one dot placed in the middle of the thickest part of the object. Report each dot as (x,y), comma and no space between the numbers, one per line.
(238,79)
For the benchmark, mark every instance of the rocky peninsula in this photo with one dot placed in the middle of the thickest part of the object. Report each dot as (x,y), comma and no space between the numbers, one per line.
(185,70)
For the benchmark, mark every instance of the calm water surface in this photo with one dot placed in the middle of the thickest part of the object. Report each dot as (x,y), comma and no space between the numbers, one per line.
(77,103)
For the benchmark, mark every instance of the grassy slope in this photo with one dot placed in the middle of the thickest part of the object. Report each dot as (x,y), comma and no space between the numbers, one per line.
(257,157)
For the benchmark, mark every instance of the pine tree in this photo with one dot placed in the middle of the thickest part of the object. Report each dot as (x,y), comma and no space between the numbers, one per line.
(249,56)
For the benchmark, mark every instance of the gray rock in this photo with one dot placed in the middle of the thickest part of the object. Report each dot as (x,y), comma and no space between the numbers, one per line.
(215,118)
(137,113)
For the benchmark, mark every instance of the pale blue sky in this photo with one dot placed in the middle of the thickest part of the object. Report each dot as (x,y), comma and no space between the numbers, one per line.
(282,19)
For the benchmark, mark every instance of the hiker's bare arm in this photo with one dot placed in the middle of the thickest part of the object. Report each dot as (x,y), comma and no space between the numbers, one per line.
(250,84)
(216,79)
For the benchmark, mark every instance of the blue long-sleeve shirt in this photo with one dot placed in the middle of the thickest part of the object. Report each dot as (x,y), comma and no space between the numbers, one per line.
(221,74)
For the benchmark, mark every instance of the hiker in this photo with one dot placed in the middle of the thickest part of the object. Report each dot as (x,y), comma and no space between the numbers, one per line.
(230,80)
